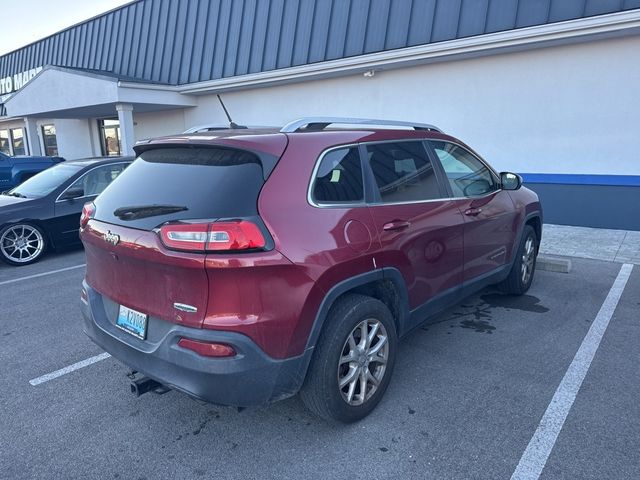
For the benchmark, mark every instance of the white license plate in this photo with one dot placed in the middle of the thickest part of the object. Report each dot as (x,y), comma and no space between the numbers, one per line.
(132,321)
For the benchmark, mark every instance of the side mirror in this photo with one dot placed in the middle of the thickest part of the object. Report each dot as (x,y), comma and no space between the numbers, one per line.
(510,181)
(72,193)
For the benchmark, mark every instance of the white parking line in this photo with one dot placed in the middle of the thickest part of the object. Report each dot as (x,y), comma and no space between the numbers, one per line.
(537,452)
(29,277)
(69,369)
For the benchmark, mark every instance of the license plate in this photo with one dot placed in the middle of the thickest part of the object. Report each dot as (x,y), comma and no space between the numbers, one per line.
(132,321)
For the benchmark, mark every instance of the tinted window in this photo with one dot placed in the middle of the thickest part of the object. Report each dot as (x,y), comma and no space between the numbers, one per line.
(48,180)
(96,180)
(339,177)
(403,172)
(467,175)
(209,183)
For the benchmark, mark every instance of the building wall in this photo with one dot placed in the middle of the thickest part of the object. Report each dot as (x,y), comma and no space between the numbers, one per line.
(76,138)
(168,122)
(563,109)
(599,206)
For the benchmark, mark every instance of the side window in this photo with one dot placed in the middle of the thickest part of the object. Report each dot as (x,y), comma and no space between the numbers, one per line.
(403,172)
(94,182)
(467,175)
(339,177)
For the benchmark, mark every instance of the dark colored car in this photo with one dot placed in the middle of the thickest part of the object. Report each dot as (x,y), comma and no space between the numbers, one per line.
(44,212)
(244,266)
(15,170)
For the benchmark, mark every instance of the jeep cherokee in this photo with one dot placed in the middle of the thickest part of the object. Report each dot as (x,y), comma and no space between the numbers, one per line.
(244,266)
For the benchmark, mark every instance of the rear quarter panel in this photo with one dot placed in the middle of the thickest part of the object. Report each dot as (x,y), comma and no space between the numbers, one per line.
(312,238)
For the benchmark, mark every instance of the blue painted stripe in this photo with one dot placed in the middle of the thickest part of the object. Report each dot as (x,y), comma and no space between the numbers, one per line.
(577,179)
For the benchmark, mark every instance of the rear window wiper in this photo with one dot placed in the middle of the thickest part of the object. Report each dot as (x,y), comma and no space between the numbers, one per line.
(145,211)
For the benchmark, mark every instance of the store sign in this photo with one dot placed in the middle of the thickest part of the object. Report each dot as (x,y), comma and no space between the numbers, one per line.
(16,82)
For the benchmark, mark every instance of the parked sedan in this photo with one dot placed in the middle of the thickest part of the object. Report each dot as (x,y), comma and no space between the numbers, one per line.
(43,213)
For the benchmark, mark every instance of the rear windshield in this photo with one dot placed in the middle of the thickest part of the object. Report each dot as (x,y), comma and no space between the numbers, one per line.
(183,184)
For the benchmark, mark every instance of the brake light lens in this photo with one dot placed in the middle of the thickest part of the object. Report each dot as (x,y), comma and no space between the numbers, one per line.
(217,236)
(207,349)
(88,211)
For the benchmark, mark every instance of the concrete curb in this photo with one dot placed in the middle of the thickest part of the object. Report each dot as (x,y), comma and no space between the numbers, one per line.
(553,264)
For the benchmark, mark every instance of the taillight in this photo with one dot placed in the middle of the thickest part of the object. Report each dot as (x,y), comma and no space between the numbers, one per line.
(88,211)
(207,349)
(217,236)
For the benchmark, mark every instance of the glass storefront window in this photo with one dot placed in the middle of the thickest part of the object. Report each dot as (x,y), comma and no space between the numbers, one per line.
(4,142)
(50,141)
(110,136)
(17,140)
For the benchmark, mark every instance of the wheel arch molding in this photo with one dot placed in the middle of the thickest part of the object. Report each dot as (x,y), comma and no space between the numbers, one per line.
(385,284)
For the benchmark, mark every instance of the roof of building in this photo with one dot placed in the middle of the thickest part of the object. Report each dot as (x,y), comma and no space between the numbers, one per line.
(180,42)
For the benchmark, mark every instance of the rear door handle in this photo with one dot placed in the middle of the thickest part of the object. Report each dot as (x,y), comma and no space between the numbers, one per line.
(472,212)
(396,225)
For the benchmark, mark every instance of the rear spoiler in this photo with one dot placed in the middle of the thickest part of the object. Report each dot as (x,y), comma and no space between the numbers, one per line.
(267,160)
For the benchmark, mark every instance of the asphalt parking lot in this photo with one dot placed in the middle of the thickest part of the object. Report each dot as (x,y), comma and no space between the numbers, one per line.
(469,392)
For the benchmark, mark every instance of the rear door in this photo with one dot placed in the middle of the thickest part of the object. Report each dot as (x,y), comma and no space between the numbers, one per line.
(489,214)
(420,229)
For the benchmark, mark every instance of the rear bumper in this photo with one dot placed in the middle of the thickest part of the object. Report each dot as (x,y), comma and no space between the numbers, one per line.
(249,378)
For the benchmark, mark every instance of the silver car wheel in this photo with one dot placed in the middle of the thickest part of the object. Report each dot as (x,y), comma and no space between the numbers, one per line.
(363,362)
(528,260)
(21,243)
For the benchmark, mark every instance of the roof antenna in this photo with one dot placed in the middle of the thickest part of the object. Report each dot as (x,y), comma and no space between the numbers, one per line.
(232,124)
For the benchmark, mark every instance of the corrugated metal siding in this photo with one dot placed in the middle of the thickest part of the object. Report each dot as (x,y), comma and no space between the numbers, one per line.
(185,41)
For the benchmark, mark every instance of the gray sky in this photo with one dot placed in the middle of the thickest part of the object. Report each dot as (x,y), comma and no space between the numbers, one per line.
(25,21)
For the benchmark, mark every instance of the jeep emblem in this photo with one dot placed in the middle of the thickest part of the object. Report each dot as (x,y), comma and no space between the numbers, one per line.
(111,238)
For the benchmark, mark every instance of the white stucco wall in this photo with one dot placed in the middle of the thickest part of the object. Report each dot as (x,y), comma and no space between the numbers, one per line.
(565,109)
(75,139)
(147,125)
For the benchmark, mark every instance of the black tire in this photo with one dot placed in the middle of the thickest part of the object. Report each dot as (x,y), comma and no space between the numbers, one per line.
(516,283)
(321,392)
(32,233)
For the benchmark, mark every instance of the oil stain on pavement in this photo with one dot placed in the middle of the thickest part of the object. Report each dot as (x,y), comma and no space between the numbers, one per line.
(480,326)
(477,315)
(527,303)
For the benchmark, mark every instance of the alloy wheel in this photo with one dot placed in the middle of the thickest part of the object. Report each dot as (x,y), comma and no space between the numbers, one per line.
(363,362)
(21,243)
(528,260)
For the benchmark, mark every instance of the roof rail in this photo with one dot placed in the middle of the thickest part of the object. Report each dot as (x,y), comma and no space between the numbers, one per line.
(216,127)
(315,124)
(208,128)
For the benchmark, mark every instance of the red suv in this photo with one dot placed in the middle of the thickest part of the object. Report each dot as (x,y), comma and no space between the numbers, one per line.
(243,266)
